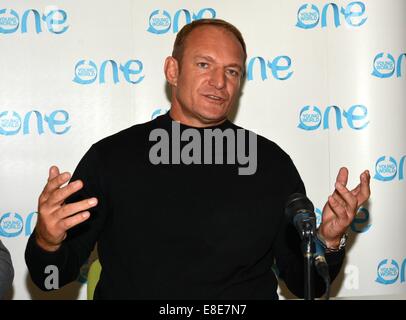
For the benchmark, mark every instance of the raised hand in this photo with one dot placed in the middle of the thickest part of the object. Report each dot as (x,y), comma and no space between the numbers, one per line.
(342,206)
(55,217)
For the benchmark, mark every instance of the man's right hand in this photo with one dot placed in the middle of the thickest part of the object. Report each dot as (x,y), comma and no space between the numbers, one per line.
(55,217)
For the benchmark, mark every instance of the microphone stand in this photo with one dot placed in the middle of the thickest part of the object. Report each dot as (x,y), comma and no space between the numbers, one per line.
(308,227)
(300,212)
(308,251)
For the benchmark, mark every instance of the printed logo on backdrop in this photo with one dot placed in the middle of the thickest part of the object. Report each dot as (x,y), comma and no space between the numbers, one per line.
(13,224)
(387,168)
(52,19)
(360,224)
(279,68)
(14,123)
(388,272)
(312,117)
(161,21)
(308,15)
(158,112)
(87,72)
(384,65)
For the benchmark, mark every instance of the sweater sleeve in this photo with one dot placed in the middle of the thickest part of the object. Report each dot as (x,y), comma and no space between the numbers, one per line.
(288,255)
(80,240)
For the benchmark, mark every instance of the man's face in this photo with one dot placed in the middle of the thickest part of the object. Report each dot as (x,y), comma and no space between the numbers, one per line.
(209,77)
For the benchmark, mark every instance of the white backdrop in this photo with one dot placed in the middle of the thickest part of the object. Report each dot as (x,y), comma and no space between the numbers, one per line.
(327,84)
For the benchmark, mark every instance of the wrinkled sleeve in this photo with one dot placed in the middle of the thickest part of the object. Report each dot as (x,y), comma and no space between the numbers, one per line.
(81,239)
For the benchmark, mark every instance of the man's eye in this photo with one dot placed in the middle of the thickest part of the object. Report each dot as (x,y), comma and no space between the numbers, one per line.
(233,72)
(203,65)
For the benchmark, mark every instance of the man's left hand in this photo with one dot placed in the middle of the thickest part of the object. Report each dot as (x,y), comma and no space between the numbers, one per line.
(341,207)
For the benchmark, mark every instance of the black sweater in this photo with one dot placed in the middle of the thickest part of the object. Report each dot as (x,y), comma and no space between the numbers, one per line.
(177,231)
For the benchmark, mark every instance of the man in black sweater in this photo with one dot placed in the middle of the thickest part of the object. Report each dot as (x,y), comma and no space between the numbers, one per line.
(173,219)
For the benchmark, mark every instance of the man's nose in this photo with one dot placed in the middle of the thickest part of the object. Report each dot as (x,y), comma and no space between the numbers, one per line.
(217,78)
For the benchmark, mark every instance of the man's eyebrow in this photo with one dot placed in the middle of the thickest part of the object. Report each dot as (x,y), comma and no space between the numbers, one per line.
(211,59)
(205,57)
(235,65)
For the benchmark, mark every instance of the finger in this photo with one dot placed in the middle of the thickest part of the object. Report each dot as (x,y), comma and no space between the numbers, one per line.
(60,195)
(53,184)
(342,176)
(365,189)
(73,208)
(75,220)
(338,198)
(56,183)
(53,172)
(350,200)
(337,209)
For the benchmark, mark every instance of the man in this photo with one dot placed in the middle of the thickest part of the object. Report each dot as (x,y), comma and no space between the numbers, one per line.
(185,231)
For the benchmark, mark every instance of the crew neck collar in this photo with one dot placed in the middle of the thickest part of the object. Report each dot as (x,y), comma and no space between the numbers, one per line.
(224,125)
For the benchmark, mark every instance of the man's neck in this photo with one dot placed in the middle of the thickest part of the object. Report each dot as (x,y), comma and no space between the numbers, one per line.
(192,121)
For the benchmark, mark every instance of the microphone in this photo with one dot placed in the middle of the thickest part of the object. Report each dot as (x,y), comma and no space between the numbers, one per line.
(299,211)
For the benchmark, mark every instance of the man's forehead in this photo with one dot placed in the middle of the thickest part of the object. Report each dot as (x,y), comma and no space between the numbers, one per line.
(207,30)
(198,39)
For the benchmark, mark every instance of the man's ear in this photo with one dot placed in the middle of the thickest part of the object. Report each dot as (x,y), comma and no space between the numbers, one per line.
(171,69)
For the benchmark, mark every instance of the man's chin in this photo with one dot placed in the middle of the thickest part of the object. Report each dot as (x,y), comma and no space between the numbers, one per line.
(213,119)
(213,114)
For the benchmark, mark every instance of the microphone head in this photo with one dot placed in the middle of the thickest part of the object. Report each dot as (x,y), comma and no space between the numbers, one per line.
(297,203)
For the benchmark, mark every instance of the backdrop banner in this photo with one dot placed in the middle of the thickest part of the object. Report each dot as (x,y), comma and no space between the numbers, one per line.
(325,80)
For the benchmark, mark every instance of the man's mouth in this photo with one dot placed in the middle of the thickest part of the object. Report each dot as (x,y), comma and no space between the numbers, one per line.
(214,97)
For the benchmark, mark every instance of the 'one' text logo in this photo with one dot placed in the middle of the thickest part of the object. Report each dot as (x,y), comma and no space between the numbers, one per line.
(308,15)
(12,224)
(54,20)
(279,67)
(311,118)
(384,65)
(12,123)
(386,168)
(388,271)
(161,22)
(87,72)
